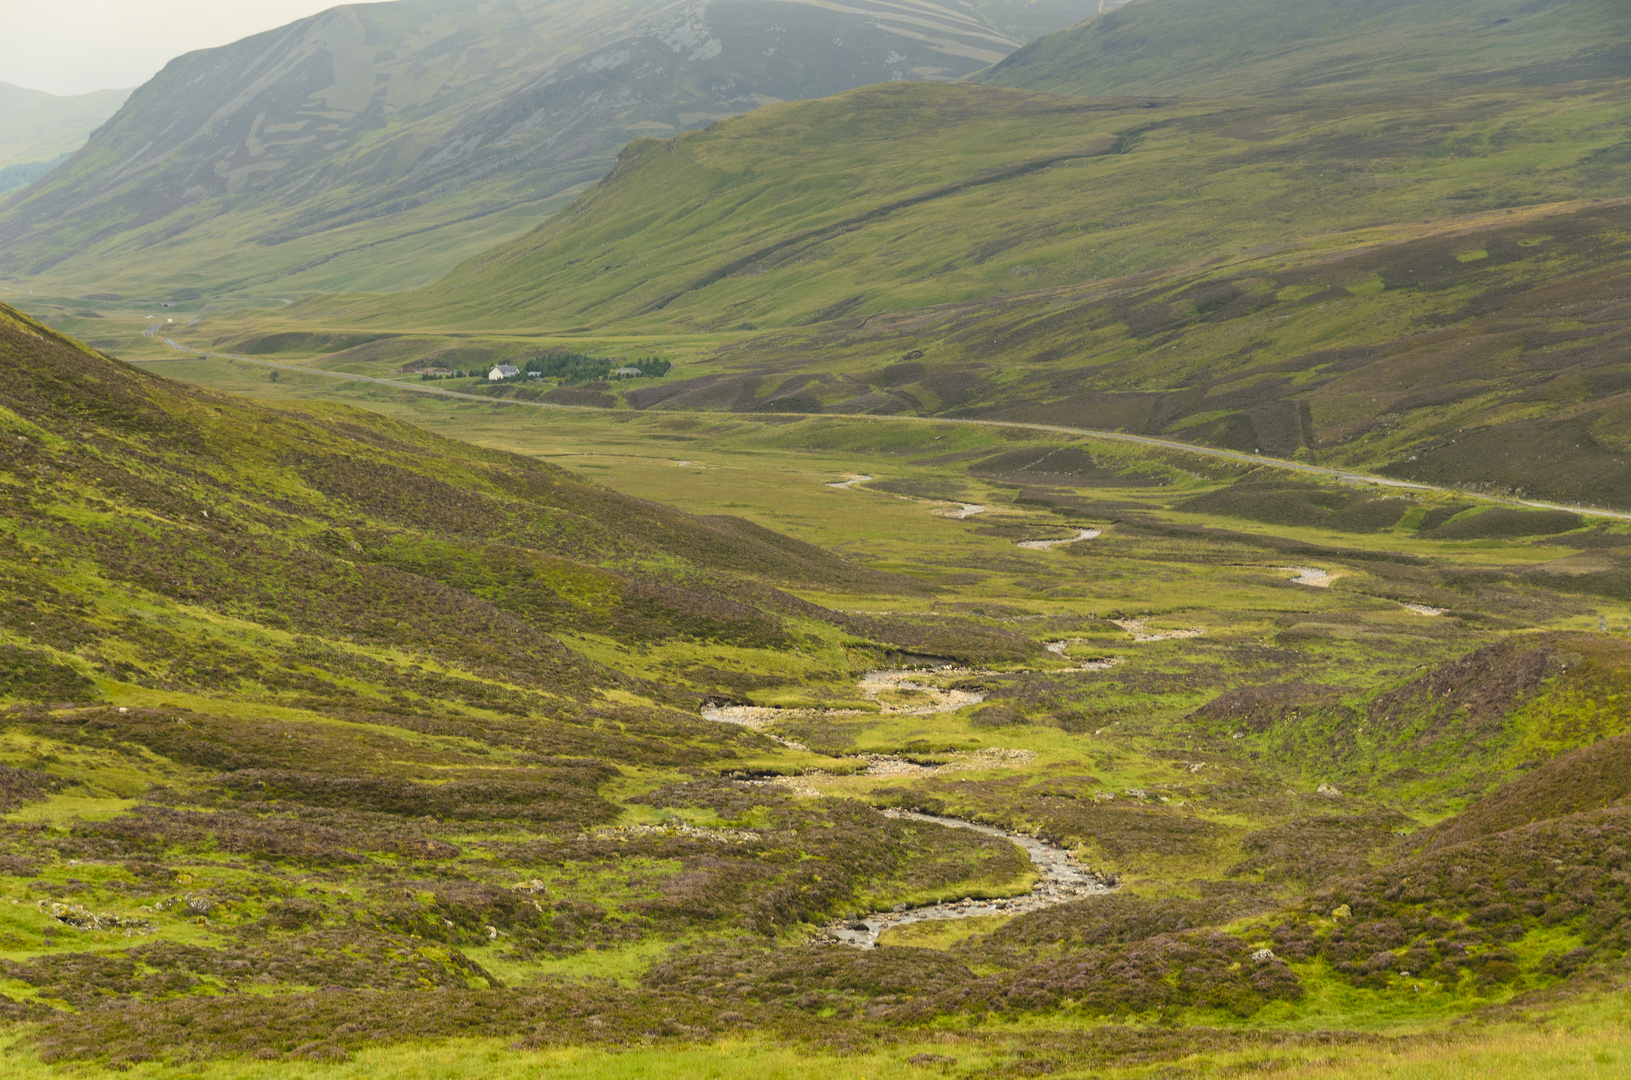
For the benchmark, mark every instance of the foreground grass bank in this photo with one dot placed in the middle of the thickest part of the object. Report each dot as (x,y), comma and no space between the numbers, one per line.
(1597,1052)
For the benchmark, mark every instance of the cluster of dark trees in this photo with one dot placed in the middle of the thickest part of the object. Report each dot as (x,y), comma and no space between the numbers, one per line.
(579,368)
(568,368)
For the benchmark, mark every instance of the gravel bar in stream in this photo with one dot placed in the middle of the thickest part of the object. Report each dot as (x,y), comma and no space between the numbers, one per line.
(1063,879)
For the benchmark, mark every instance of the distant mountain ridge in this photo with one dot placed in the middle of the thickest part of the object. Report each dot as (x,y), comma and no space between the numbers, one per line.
(1212,47)
(369,146)
(38,127)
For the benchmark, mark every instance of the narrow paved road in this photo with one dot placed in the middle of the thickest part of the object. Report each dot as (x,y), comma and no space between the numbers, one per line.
(1345,475)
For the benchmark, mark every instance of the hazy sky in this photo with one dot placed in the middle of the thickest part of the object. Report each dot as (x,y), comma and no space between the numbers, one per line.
(75,46)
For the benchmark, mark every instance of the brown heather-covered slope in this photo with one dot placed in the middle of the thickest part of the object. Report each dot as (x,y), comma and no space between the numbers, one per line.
(1589,778)
(166,536)
(329,677)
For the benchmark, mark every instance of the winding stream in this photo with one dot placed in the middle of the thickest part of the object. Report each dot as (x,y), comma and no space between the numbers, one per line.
(963,510)
(937,699)
(1062,879)
(1049,545)
(1136,628)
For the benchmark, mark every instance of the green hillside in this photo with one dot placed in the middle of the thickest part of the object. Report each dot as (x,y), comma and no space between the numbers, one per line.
(707,697)
(1490,354)
(250,536)
(1203,47)
(903,196)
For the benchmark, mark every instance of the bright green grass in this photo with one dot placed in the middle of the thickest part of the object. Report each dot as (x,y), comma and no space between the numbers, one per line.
(1597,1050)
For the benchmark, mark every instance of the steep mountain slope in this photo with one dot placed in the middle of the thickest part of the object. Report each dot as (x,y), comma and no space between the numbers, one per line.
(38,127)
(1026,20)
(1274,46)
(373,146)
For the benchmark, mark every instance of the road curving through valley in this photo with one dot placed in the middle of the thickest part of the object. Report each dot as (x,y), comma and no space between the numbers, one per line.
(1349,476)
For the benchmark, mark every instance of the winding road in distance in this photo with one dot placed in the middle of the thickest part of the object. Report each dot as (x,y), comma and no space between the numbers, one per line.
(1345,475)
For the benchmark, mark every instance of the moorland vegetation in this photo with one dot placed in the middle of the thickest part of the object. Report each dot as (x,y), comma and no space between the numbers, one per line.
(566,725)
(331,739)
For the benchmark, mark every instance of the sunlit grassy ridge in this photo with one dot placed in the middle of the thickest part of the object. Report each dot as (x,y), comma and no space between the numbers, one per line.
(898,197)
(1592,1046)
